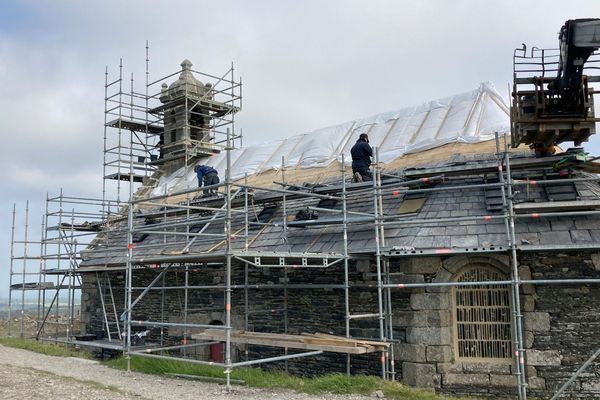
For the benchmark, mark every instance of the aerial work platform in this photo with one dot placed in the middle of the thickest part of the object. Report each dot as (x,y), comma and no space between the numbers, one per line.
(552,96)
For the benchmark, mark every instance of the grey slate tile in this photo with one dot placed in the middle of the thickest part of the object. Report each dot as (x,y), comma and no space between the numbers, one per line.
(437,200)
(436,207)
(492,239)
(562,224)
(466,206)
(495,227)
(403,241)
(432,231)
(474,212)
(456,230)
(459,213)
(476,229)
(464,241)
(412,231)
(361,235)
(521,226)
(528,238)
(358,244)
(441,241)
(423,242)
(542,226)
(595,233)
(463,202)
(580,236)
(560,237)
(587,223)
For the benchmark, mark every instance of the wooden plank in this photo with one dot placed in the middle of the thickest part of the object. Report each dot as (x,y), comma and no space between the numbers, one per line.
(283,343)
(557,206)
(330,343)
(360,341)
(593,167)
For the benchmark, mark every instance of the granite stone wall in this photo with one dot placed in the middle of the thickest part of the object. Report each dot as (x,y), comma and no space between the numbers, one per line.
(563,329)
(561,322)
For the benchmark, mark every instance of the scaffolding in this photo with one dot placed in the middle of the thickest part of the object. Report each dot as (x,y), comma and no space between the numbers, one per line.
(161,124)
(48,267)
(238,201)
(231,218)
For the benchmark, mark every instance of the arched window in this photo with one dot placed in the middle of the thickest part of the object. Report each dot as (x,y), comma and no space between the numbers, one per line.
(482,316)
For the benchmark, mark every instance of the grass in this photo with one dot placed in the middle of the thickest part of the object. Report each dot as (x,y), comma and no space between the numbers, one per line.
(256,377)
(48,349)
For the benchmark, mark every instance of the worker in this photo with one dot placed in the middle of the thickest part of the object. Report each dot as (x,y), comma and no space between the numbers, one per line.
(159,146)
(361,159)
(207,176)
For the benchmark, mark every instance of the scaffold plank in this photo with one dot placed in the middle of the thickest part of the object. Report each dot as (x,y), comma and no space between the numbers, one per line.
(305,341)
(557,206)
(136,126)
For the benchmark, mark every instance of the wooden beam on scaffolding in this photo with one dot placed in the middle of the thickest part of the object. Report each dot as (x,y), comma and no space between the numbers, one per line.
(305,341)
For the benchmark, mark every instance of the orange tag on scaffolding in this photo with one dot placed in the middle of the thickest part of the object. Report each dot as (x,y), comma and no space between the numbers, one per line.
(130,246)
(443,251)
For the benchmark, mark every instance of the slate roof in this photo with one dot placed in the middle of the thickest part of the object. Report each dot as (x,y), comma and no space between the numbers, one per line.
(490,234)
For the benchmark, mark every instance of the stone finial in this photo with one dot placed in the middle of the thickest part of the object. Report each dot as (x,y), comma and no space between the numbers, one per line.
(186,65)
(186,71)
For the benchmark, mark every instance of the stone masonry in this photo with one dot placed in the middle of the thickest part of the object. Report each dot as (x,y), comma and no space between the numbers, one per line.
(561,322)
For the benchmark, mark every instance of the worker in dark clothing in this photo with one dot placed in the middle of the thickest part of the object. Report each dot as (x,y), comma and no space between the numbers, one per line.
(207,176)
(159,146)
(361,159)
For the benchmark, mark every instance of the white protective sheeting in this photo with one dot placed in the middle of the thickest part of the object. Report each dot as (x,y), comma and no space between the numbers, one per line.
(168,184)
(469,117)
(321,147)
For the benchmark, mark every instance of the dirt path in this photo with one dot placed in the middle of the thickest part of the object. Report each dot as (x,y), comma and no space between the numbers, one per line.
(25,375)
(22,383)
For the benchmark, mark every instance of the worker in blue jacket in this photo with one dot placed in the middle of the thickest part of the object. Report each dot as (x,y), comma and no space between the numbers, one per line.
(207,175)
(361,159)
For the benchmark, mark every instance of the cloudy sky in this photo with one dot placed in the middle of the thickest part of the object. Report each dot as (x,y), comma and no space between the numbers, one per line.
(305,65)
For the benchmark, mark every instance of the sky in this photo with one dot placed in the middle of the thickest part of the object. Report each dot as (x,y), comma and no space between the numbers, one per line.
(305,65)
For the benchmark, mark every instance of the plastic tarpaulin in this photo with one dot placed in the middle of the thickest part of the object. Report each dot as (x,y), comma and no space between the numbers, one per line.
(167,184)
(469,117)
(321,147)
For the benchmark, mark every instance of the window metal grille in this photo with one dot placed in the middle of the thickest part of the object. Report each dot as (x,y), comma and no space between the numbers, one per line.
(482,316)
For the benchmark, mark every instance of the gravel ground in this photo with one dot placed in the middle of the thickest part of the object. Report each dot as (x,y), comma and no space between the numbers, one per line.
(23,383)
(25,375)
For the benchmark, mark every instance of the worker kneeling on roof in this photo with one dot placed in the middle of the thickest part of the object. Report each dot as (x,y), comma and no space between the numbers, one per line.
(361,159)
(207,175)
